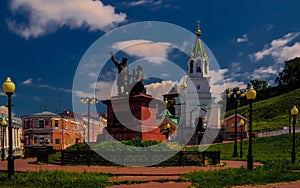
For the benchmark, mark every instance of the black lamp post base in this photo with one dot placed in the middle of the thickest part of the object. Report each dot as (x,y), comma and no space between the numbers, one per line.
(2,155)
(250,162)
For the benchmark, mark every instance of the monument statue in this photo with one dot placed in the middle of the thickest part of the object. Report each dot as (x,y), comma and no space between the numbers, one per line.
(131,84)
(137,85)
(123,74)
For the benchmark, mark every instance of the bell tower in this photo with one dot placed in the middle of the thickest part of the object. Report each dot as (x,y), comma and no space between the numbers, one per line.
(196,96)
(198,64)
(198,73)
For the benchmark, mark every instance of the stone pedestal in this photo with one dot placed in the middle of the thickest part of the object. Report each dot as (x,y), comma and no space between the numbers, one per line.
(131,117)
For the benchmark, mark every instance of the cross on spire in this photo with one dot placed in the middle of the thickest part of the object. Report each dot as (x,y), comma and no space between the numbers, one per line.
(198,31)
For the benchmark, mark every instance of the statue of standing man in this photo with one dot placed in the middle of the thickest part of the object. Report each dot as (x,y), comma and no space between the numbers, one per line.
(123,75)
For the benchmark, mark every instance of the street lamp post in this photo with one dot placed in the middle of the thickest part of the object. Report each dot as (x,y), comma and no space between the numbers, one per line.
(84,128)
(294,113)
(167,128)
(3,125)
(236,94)
(89,101)
(289,123)
(251,95)
(9,89)
(241,127)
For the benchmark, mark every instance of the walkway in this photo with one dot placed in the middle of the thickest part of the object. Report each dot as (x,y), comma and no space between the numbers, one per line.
(149,176)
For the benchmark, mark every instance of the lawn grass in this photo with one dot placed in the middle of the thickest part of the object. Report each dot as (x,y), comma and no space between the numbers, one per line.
(271,114)
(274,152)
(270,173)
(264,149)
(55,179)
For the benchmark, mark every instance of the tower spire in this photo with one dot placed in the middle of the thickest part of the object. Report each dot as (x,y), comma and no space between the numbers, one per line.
(198,30)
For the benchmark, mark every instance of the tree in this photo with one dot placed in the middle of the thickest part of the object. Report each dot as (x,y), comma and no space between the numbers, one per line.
(259,84)
(261,87)
(290,75)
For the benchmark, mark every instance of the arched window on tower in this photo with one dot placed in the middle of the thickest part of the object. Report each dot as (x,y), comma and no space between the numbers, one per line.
(198,69)
(205,66)
(191,66)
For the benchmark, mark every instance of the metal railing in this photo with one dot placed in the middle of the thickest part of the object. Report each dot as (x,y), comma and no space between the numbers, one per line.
(182,158)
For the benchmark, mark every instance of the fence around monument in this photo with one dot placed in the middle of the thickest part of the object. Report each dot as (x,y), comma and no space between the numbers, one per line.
(182,158)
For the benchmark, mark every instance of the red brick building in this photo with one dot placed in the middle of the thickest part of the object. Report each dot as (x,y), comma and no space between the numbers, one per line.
(228,127)
(51,131)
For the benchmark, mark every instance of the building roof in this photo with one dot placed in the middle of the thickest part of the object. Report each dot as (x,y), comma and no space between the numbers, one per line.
(239,115)
(174,90)
(168,115)
(198,48)
(43,114)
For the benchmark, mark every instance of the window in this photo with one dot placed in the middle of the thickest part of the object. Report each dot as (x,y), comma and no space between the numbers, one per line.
(41,140)
(232,124)
(34,123)
(35,140)
(57,141)
(41,124)
(26,140)
(56,123)
(191,66)
(47,123)
(198,87)
(26,124)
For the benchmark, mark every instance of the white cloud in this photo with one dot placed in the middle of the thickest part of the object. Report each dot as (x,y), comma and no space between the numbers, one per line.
(47,16)
(36,98)
(244,38)
(269,27)
(157,90)
(163,75)
(143,2)
(80,94)
(105,90)
(27,82)
(137,3)
(217,83)
(236,66)
(234,84)
(279,49)
(47,86)
(263,72)
(145,48)
(3,110)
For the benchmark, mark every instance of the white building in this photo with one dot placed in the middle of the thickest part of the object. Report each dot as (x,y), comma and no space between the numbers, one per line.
(17,136)
(195,105)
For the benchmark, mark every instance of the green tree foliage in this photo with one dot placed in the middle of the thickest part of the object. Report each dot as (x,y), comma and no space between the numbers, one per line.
(259,84)
(261,87)
(290,75)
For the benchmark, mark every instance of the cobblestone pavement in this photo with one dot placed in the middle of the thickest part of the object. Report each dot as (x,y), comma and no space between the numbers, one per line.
(149,176)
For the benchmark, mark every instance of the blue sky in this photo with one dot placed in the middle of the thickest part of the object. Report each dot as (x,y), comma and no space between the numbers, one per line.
(43,41)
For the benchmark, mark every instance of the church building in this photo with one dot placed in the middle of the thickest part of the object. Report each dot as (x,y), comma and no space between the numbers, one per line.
(194,104)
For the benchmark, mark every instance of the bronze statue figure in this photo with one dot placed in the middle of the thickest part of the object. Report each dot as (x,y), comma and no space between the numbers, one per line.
(123,74)
(124,78)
